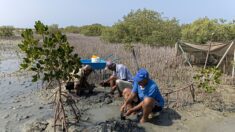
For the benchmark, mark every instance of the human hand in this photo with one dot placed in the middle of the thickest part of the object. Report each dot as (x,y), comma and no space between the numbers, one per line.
(142,120)
(123,107)
(129,112)
(102,83)
(114,87)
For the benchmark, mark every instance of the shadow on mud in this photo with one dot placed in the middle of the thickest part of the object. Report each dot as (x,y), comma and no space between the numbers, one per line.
(166,117)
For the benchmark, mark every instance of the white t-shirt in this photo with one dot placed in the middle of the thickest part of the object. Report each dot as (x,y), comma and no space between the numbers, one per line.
(122,72)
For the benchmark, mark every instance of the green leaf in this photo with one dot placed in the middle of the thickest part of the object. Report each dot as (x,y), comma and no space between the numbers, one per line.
(40,27)
(26,60)
(35,78)
(33,69)
(41,62)
(38,65)
(24,65)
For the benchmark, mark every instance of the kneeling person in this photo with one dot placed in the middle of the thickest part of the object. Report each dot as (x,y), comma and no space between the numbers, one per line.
(81,84)
(147,91)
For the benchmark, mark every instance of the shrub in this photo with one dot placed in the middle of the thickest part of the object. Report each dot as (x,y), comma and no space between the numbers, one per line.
(91,30)
(143,26)
(54,28)
(6,31)
(53,58)
(204,29)
(71,29)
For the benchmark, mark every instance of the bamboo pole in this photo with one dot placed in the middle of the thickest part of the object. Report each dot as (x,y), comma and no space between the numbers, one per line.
(135,59)
(176,48)
(224,54)
(208,53)
(185,56)
(233,64)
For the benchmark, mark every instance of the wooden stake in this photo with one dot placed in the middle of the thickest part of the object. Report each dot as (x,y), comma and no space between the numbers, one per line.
(176,48)
(185,56)
(224,54)
(135,59)
(233,64)
(208,53)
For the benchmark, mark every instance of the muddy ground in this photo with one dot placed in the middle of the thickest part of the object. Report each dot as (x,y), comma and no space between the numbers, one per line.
(24,106)
(100,112)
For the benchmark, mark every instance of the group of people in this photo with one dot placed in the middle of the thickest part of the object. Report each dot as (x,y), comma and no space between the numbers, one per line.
(140,92)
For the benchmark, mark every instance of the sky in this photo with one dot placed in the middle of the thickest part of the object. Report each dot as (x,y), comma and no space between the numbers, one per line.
(23,13)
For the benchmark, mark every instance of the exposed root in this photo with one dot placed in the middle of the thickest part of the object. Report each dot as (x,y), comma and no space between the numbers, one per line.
(60,117)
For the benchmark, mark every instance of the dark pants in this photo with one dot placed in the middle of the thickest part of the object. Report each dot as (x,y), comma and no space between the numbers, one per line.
(69,86)
(157,109)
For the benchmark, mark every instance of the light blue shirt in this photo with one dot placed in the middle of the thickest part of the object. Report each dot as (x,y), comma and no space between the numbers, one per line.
(122,72)
(150,90)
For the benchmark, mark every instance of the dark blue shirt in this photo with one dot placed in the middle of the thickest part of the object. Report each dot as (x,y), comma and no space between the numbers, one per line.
(150,90)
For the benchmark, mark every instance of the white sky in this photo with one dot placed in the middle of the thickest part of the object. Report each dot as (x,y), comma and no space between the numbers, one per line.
(23,13)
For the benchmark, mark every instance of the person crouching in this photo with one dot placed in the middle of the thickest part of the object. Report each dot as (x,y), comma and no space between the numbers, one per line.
(120,79)
(80,82)
(147,91)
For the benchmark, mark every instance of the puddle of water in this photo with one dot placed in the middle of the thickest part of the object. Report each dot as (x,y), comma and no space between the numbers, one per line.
(104,113)
(10,57)
(9,65)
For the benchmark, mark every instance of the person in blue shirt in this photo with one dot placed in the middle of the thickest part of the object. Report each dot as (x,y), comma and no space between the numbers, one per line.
(120,79)
(148,93)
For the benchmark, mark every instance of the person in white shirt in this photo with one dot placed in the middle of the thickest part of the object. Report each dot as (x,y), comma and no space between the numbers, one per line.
(120,79)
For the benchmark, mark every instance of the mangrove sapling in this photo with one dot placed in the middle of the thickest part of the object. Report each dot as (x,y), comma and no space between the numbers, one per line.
(51,58)
(208,78)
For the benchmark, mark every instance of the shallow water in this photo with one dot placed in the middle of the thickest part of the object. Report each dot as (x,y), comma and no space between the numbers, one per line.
(9,65)
(104,113)
(10,57)
(19,101)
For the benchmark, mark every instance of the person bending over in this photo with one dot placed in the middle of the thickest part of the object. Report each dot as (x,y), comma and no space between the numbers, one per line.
(120,79)
(80,83)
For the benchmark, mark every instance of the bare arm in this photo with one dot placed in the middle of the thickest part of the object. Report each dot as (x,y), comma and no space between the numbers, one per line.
(136,108)
(128,101)
(130,98)
(110,78)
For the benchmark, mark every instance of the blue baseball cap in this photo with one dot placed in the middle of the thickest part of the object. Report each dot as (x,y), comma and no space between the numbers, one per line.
(141,74)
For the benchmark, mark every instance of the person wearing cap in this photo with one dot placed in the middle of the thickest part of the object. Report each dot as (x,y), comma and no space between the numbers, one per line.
(147,91)
(120,79)
(80,82)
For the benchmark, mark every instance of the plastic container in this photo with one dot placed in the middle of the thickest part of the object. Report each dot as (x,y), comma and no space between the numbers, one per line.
(95,60)
(96,66)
